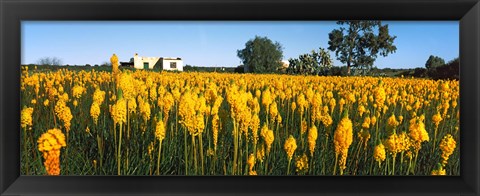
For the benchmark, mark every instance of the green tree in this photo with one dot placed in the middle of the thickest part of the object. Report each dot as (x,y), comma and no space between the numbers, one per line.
(312,63)
(49,61)
(434,62)
(360,42)
(261,55)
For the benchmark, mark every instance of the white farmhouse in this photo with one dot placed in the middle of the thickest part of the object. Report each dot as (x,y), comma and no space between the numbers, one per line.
(162,63)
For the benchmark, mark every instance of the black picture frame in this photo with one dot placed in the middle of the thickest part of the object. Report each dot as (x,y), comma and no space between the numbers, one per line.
(12,12)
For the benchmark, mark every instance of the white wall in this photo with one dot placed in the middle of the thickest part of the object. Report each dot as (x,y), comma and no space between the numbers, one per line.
(166,64)
(138,61)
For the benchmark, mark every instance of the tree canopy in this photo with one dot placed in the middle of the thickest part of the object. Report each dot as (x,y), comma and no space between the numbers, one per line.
(49,61)
(312,63)
(261,55)
(360,42)
(434,61)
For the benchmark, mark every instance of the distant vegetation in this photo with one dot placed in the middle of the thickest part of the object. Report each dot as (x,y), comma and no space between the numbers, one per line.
(449,70)
(49,61)
(261,55)
(313,63)
(356,44)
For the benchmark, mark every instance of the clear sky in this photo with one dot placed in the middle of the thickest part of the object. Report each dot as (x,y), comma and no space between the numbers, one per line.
(215,43)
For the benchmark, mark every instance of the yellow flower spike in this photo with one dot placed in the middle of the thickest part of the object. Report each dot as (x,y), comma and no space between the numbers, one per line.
(26,117)
(437,118)
(343,138)
(379,153)
(290,147)
(160,130)
(268,137)
(312,139)
(447,145)
(49,144)
(301,163)
(251,162)
(392,122)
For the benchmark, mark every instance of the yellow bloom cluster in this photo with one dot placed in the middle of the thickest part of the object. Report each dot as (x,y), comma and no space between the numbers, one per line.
(114,62)
(301,163)
(417,132)
(379,153)
(50,144)
(95,111)
(119,112)
(380,96)
(98,98)
(343,138)
(251,163)
(312,139)
(302,103)
(447,145)
(392,121)
(397,143)
(127,84)
(26,117)
(268,137)
(63,112)
(160,130)
(266,98)
(77,91)
(290,147)
(215,127)
(168,102)
(436,119)
(144,108)
(186,110)
(366,122)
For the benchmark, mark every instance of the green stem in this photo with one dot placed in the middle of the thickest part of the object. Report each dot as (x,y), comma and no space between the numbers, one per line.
(434,139)
(401,162)
(119,150)
(25,150)
(409,165)
(194,155)
(235,147)
(288,167)
(335,165)
(393,166)
(415,162)
(185,151)
(158,160)
(201,150)
(66,153)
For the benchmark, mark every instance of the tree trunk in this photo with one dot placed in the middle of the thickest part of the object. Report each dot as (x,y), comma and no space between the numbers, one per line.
(348,68)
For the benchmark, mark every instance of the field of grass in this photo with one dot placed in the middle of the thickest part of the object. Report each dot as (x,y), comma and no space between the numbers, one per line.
(99,122)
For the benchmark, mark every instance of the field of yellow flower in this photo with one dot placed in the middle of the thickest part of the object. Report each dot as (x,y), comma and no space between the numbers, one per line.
(124,122)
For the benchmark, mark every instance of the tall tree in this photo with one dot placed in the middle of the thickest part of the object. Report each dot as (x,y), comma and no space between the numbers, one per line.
(261,55)
(359,43)
(433,62)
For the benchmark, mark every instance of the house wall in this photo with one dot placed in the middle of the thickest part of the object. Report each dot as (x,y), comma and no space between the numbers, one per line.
(166,64)
(138,61)
(156,63)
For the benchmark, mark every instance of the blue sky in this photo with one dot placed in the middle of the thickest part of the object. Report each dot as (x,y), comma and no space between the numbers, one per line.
(215,43)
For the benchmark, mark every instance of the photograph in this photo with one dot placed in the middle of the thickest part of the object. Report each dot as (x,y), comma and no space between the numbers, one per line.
(240,98)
